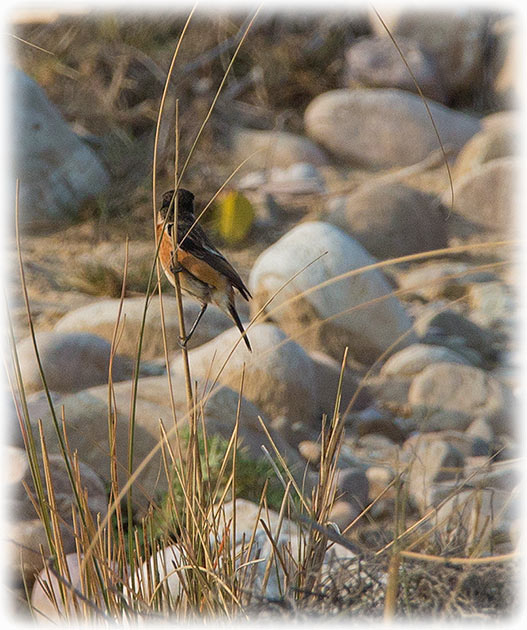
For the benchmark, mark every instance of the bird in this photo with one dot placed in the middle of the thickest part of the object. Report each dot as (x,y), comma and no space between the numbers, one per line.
(204,273)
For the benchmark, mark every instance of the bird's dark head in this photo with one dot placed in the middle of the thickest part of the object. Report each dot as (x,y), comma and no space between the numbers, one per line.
(185,203)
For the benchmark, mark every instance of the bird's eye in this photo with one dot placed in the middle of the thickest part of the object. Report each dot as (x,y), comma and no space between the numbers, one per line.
(169,228)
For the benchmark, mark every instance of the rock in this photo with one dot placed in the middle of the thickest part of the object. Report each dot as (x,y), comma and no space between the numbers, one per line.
(504,62)
(160,574)
(446,279)
(430,460)
(379,478)
(278,376)
(454,39)
(374,421)
(286,538)
(444,326)
(26,530)
(376,448)
(354,392)
(343,514)
(491,143)
(479,517)
(486,197)
(415,358)
(383,128)
(463,393)
(276,148)
(469,446)
(86,413)
(376,62)
(501,476)
(491,303)
(46,596)
(392,220)
(389,391)
(70,362)
(479,428)
(338,314)
(56,169)
(301,178)
(353,487)
(99,318)
(22,549)
(310,451)
(247,514)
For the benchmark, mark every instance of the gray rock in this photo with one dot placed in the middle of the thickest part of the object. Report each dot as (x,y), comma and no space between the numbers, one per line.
(392,220)
(353,487)
(383,128)
(446,279)
(301,178)
(491,303)
(275,148)
(100,317)
(70,362)
(161,572)
(491,143)
(504,62)
(339,314)
(278,376)
(415,358)
(486,197)
(56,169)
(354,393)
(46,596)
(462,393)
(25,530)
(375,62)
(477,516)
(444,326)
(454,38)
(431,460)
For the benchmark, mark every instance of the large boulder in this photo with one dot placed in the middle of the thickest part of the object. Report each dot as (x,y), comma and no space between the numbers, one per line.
(86,414)
(384,128)
(356,311)
(392,220)
(56,169)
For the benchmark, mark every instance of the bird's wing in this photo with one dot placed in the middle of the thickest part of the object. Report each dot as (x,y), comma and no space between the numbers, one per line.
(198,244)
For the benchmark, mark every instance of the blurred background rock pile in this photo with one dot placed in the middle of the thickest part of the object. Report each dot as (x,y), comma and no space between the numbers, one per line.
(349,163)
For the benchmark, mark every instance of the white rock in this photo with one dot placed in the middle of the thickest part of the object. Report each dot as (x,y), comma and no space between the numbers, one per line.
(338,314)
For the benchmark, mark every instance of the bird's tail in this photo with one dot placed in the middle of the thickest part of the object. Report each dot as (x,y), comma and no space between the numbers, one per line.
(235,317)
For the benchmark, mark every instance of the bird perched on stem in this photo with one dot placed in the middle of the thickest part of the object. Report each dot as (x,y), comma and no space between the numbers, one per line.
(203,272)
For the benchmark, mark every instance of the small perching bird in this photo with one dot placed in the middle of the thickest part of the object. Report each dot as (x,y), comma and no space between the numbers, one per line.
(204,273)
